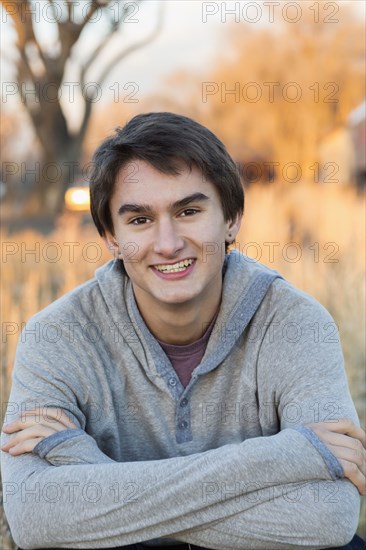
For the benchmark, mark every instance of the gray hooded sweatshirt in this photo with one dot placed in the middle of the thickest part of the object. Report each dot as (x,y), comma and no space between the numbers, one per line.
(224,462)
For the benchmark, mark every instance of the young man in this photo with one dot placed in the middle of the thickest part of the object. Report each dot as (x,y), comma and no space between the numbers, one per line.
(182,399)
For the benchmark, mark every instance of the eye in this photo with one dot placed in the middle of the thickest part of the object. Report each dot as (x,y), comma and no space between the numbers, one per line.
(189,211)
(137,221)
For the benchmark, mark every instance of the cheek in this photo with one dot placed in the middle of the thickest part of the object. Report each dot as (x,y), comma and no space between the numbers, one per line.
(131,270)
(135,249)
(213,230)
(208,222)
(130,254)
(130,245)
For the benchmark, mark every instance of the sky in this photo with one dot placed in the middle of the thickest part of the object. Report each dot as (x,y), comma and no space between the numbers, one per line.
(184,41)
(192,38)
(192,34)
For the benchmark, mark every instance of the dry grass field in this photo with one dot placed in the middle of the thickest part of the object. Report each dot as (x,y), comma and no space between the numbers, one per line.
(314,235)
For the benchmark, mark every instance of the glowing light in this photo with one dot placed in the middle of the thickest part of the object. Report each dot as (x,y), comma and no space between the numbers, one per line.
(77,198)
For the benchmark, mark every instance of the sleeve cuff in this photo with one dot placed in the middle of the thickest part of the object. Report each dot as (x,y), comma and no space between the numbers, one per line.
(48,443)
(334,466)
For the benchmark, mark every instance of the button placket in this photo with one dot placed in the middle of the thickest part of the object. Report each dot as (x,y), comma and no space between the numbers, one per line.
(174,386)
(172,382)
(183,420)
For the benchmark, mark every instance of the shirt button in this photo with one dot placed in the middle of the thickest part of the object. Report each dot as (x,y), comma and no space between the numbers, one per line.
(184,402)
(172,382)
(183,425)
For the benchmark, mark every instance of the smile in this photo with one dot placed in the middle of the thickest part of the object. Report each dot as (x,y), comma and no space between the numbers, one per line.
(174,268)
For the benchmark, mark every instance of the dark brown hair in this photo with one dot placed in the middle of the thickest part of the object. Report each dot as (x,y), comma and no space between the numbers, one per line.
(164,140)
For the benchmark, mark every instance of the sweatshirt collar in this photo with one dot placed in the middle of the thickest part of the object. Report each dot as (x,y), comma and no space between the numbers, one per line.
(243,278)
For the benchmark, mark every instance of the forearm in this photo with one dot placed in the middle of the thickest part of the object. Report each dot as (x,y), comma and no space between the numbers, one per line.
(316,514)
(72,447)
(122,503)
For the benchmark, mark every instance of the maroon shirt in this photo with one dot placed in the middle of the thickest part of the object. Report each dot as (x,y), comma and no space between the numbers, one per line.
(186,358)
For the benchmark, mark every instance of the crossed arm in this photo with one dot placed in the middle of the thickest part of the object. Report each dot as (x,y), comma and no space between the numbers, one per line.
(275,491)
(200,498)
(344,439)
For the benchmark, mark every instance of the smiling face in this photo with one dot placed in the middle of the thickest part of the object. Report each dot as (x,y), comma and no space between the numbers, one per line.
(170,232)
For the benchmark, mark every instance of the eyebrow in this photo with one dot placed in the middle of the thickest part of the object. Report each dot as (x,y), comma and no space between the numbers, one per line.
(146,209)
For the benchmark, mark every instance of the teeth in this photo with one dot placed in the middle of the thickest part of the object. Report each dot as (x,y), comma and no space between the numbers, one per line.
(179,266)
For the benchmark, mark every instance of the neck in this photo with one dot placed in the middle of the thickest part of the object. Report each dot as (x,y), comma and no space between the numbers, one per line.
(179,324)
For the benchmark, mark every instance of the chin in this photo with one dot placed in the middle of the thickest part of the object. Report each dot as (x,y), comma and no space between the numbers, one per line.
(177,299)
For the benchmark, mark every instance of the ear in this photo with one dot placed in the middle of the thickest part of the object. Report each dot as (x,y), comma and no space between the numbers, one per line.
(233,226)
(111,244)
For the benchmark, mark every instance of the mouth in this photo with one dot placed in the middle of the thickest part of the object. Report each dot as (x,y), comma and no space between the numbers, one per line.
(174,268)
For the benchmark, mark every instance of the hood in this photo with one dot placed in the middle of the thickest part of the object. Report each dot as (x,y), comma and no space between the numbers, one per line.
(245,283)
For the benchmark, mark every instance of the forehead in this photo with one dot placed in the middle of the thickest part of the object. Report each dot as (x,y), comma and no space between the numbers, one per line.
(140,180)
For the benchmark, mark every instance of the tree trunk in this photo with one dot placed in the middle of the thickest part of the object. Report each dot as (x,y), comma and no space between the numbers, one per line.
(56,174)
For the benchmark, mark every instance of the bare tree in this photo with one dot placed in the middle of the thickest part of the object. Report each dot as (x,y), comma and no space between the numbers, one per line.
(41,70)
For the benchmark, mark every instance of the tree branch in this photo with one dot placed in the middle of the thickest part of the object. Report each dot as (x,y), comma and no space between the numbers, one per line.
(52,4)
(115,26)
(69,31)
(93,8)
(121,55)
(25,72)
(84,125)
(69,8)
(116,59)
(95,54)
(30,35)
(23,23)
(17,20)
(55,18)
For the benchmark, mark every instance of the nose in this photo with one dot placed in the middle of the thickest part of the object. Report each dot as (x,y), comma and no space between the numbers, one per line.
(167,241)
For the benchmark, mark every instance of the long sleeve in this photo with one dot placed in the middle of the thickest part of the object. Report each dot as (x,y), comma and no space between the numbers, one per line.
(112,504)
(284,517)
